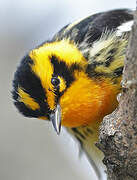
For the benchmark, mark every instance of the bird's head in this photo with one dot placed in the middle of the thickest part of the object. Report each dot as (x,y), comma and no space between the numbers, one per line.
(51,83)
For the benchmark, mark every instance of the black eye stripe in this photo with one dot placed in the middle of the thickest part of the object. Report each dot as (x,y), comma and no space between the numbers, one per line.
(61,69)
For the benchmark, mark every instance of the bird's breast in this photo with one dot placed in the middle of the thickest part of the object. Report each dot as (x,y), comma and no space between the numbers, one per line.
(87,100)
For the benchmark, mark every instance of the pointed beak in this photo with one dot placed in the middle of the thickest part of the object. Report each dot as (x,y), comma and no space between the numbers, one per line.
(55,117)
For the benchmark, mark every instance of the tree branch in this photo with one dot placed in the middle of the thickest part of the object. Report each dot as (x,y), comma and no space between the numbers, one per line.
(118,132)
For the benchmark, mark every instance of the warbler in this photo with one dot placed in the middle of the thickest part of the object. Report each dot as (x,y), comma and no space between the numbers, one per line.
(73,79)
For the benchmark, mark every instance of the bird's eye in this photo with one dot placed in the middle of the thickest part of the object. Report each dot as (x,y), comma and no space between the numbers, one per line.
(55,81)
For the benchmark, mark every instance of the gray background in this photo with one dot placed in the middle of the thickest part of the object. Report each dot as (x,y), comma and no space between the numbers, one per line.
(30,149)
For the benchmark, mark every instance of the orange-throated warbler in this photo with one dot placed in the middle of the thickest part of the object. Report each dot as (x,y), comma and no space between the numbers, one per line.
(73,80)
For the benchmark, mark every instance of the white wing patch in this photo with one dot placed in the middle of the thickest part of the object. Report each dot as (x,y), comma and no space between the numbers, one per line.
(125,27)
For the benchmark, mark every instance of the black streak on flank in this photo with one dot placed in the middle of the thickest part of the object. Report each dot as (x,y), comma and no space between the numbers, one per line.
(80,141)
(89,131)
(75,130)
(31,84)
(61,69)
(90,70)
(118,71)
(110,58)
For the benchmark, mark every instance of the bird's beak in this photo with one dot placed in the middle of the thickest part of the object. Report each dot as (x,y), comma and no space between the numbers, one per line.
(55,118)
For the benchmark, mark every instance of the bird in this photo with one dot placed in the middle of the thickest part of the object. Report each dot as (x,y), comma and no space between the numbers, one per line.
(73,79)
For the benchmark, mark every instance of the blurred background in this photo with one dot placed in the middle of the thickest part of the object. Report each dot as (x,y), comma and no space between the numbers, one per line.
(30,149)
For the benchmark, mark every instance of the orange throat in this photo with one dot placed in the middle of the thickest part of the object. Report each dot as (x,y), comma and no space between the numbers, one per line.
(87,101)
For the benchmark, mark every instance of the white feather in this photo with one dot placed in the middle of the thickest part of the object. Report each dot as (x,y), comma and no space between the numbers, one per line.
(125,27)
